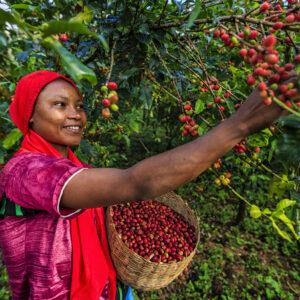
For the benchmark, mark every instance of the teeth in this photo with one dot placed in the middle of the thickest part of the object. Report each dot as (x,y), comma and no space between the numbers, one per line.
(73,127)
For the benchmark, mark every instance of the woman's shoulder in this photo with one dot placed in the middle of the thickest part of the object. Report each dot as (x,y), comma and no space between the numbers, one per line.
(27,161)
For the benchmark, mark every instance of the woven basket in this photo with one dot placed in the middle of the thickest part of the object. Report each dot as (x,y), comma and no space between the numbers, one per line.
(139,273)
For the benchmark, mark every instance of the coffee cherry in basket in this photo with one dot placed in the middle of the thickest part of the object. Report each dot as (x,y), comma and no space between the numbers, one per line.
(154,231)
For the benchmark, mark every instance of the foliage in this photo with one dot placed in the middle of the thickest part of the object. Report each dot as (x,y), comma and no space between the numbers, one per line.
(163,55)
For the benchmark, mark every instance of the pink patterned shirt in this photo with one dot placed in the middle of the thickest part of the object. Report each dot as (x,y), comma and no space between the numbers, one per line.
(37,248)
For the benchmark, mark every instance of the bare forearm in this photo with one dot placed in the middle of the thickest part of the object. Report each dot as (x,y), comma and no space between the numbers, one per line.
(153,176)
(169,170)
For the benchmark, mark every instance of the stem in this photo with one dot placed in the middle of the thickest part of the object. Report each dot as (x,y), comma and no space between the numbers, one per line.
(286,107)
(165,66)
(165,90)
(225,19)
(291,40)
(238,195)
(8,120)
(270,171)
(111,62)
(162,12)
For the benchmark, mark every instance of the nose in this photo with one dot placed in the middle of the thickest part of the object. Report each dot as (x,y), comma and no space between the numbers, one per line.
(73,113)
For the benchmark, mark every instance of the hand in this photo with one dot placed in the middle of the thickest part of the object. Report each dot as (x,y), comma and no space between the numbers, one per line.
(254,115)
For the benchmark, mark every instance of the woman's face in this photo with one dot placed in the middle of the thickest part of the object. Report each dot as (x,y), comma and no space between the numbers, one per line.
(59,116)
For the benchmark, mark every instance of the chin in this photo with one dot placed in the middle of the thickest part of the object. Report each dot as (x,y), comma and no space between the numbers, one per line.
(74,143)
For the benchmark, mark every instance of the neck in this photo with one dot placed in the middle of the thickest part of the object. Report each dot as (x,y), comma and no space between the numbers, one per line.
(62,149)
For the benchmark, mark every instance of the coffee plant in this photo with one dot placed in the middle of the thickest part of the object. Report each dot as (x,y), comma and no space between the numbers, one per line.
(157,74)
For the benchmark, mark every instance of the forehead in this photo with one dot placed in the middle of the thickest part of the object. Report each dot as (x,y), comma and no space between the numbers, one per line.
(59,87)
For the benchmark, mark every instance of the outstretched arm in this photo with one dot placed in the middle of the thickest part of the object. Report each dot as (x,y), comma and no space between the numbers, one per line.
(169,170)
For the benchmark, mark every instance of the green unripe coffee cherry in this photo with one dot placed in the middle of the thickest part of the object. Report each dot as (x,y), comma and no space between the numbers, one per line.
(290,85)
(235,41)
(222,177)
(253,42)
(247,32)
(104,89)
(274,86)
(114,107)
(112,93)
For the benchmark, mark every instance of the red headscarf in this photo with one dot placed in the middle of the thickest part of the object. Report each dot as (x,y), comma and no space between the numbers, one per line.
(91,263)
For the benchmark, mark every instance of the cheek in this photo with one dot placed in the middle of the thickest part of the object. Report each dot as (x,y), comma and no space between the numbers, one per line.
(49,120)
(84,119)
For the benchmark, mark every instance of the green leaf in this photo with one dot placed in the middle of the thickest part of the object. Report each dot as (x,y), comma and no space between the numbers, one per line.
(144,28)
(134,125)
(267,211)
(127,140)
(6,16)
(55,27)
(202,129)
(291,121)
(288,143)
(260,139)
(199,107)
(283,218)
(86,15)
(88,149)
(3,153)
(282,233)
(146,97)
(3,41)
(194,14)
(255,211)
(23,6)
(13,137)
(279,186)
(284,204)
(71,64)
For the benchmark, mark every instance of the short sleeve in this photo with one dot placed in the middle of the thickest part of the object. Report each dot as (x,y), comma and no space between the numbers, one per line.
(37,181)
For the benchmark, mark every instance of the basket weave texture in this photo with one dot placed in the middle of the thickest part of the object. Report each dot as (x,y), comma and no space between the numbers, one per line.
(139,273)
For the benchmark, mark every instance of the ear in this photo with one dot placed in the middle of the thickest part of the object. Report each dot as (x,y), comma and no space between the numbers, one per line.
(31,120)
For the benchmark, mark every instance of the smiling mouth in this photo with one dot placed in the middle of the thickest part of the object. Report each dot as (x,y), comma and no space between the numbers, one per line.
(73,128)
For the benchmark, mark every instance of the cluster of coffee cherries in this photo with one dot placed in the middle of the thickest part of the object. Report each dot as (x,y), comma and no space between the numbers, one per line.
(240,147)
(110,97)
(154,231)
(190,126)
(217,99)
(263,57)
(223,179)
(217,164)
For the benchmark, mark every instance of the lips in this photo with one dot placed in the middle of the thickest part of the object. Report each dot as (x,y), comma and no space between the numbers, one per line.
(73,128)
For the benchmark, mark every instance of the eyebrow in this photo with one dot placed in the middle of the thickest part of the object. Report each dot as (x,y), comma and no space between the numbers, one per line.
(66,98)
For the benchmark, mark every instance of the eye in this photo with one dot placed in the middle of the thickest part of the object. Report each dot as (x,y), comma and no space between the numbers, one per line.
(80,106)
(59,103)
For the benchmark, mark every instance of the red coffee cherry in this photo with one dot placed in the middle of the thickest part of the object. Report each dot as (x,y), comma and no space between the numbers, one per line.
(243,52)
(290,18)
(262,86)
(269,41)
(251,79)
(253,34)
(112,85)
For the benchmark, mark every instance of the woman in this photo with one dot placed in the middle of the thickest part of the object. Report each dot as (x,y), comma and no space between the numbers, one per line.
(52,232)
